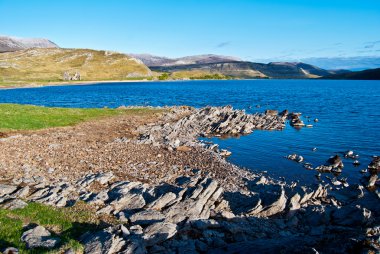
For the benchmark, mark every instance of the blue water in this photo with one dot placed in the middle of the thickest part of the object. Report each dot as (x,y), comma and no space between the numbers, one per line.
(348,113)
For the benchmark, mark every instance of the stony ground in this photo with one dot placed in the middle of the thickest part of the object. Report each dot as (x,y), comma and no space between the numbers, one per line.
(105,145)
(167,193)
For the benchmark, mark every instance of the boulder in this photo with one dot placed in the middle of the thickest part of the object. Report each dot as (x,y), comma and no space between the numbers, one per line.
(147,217)
(159,232)
(116,239)
(6,189)
(10,250)
(39,237)
(14,204)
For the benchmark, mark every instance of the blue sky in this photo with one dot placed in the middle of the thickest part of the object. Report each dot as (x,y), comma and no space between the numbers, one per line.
(252,30)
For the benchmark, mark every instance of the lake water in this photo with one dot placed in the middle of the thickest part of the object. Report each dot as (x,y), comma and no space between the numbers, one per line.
(348,113)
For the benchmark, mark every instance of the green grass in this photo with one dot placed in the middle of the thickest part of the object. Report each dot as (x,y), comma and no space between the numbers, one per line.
(67,223)
(27,117)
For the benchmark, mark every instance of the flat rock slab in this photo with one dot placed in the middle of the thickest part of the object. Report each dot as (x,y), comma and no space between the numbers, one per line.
(15,204)
(7,189)
(159,232)
(39,237)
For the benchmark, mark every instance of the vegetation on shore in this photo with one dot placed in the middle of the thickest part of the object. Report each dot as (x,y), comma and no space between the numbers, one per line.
(28,117)
(192,75)
(69,223)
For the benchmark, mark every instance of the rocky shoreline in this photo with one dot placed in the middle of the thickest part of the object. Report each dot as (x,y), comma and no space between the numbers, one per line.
(180,195)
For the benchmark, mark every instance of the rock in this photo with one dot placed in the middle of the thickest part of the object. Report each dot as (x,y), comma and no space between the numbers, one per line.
(374,166)
(183,148)
(7,189)
(147,217)
(39,237)
(271,112)
(372,181)
(349,154)
(162,201)
(295,157)
(205,224)
(276,207)
(225,153)
(159,232)
(14,204)
(197,204)
(10,250)
(117,239)
(335,161)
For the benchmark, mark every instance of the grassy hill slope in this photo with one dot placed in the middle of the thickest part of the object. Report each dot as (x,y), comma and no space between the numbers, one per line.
(49,64)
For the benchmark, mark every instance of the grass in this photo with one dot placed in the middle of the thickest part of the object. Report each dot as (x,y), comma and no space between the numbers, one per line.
(28,117)
(67,223)
(48,65)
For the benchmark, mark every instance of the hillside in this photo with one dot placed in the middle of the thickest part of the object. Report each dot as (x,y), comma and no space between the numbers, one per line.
(240,69)
(49,64)
(151,60)
(372,74)
(10,44)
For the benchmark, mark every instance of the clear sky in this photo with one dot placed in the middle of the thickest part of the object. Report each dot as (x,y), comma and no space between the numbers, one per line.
(252,30)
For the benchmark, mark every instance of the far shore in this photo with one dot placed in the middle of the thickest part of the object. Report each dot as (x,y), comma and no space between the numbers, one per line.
(67,83)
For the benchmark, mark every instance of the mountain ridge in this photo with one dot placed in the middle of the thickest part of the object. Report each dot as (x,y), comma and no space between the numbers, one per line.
(11,43)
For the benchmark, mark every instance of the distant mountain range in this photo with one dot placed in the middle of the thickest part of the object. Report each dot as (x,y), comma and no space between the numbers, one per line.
(357,63)
(233,67)
(151,60)
(10,44)
(48,64)
(372,74)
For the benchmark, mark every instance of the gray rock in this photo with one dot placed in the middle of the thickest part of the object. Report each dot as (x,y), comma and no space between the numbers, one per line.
(14,204)
(372,180)
(147,217)
(159,232)
(276,207)
(39,237)
(110,240)
(22,193)
(197,204)
(6,189)
(162,201)
(10,250)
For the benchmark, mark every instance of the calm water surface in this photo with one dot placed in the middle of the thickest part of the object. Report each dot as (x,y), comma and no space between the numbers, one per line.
(348,113)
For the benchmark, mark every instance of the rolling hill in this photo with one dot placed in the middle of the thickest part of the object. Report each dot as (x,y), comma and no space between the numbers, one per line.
(49,64)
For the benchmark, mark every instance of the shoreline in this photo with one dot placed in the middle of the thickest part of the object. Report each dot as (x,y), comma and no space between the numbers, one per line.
(95,82)
(167,192)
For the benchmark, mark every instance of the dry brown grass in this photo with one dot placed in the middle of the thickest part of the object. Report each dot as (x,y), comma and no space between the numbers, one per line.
(49,64)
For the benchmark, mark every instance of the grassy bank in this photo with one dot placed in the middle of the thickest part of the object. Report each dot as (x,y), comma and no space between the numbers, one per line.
(27,117)
(68,223)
